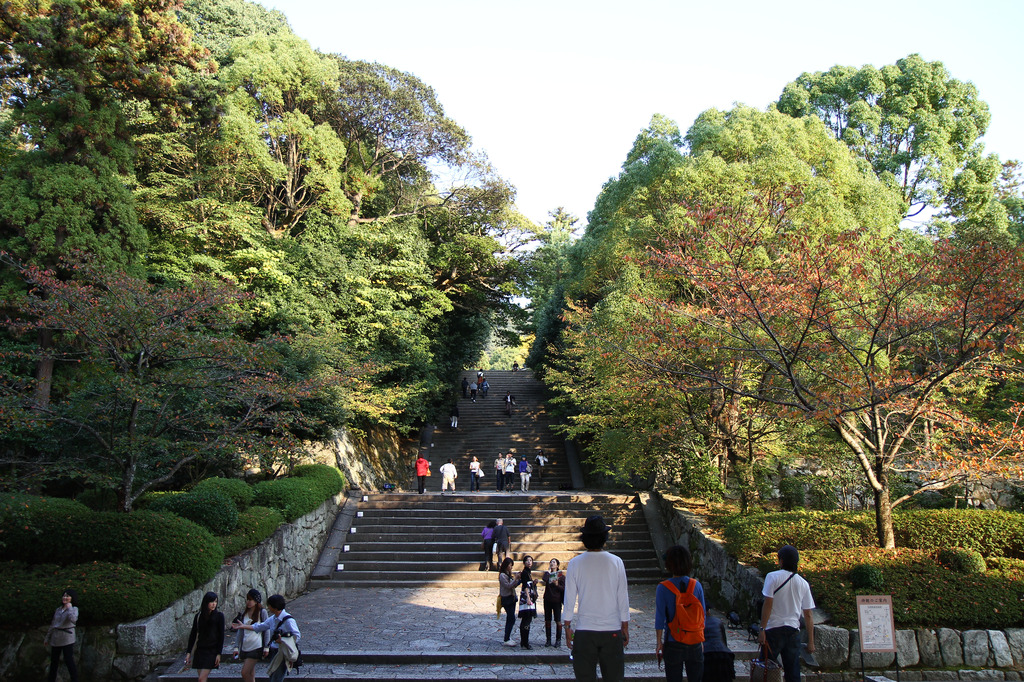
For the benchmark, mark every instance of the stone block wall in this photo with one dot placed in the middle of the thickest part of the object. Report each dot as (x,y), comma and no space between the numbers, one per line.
(281,564)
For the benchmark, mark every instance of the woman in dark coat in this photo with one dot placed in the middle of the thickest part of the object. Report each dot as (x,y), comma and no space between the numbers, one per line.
(206,638)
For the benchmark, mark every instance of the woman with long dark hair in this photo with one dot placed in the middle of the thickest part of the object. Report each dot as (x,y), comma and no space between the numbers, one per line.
(61,635)
(251,646)
(554,593)
(527,602)
(507,591)
(206,640)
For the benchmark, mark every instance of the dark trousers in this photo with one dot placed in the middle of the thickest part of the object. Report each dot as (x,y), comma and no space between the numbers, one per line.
(499,478)
(591,648)
(784,642)
(525,619)
(68,652)
(509,604)
(422,483)
(678,656)
(488,553)
(474,481)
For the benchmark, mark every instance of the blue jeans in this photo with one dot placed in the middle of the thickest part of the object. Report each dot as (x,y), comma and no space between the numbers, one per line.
(474,481)
(509,604)
(784,642)
(678,655)
(591,648)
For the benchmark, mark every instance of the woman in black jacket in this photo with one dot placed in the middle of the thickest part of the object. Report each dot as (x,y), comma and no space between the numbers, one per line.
(206,640)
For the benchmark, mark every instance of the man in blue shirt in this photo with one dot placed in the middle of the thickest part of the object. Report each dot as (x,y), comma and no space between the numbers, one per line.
(283,625)
(677,654)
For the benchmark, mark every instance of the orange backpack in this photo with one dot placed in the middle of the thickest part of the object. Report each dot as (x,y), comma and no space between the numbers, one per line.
(687,626)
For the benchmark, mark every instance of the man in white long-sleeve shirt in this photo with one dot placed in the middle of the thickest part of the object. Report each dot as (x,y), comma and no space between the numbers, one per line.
(282,624)
(596,592)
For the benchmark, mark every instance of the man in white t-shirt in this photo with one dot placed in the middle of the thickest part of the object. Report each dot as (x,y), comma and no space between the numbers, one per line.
(597,594)
(786,595)
(449,474)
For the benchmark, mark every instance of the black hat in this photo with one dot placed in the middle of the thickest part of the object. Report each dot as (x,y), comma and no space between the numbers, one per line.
(255,595)
(595,525)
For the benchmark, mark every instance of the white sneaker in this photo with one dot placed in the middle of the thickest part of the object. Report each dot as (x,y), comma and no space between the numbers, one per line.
(509,642)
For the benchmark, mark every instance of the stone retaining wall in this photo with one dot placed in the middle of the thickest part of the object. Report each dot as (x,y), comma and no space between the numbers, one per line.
(281,564)
(733,586)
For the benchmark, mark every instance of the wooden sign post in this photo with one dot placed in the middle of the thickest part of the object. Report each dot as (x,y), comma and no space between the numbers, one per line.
(876,626)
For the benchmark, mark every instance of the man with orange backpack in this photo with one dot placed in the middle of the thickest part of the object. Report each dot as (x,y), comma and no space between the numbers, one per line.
(679,612)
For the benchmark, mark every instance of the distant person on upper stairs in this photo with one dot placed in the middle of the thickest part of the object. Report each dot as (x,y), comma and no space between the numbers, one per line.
(472,391)
(422,471)
(499,471)
(484,388)
(454,415)
(465,387)
(510,401)
(448,475)
(475,472)
(540,461)
(488,546)
(515,366)
(554,593)
(510,471)
(502,540)
(525,470)
(507,591)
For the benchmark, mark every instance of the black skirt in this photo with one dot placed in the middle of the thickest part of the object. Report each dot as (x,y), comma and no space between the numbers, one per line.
(205,659)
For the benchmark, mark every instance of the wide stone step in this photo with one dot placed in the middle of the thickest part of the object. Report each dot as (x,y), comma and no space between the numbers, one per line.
(417,549)
(468,563)
(480,579)
(541,554)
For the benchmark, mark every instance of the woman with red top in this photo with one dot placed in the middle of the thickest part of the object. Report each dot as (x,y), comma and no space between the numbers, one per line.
(422,471)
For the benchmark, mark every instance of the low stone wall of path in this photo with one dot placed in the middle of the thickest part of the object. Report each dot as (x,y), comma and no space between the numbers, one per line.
(281,564)
(733,586)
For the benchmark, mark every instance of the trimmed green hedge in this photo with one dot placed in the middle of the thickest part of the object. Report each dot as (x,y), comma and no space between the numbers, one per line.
(924,593)
(993,533)
(255,525)
(107,593)
(39,530)
(238,490)
(301,493)
(207,506)
(961,560)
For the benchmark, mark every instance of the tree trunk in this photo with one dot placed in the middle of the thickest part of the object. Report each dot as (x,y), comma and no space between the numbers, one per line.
(883,515)
(44,370)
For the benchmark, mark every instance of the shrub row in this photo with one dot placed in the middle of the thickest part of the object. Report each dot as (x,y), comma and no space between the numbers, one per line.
(107,593)
(992,533)
(39,530)
(207,506)
(920,588)
(255,525)
(304,491)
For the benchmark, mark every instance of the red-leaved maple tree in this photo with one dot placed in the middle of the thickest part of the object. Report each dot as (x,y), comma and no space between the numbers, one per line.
(860,332)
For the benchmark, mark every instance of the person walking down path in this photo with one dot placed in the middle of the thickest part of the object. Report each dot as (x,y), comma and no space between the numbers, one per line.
(540,461)
(527,602)
(786,595)
(554,593)
(507,592)
(475,472)
(596,607)
(448,475)
(487,545)
(678,654)
(502,540)
(61,636)
(251,646)
(499,472)
(422,471)
(206,639)
(525,470)
(454,416)
(284,638)
(510,401)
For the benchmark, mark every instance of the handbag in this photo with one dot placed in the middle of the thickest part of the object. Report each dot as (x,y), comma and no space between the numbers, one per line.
(428,472)
(765,669)
(497,606)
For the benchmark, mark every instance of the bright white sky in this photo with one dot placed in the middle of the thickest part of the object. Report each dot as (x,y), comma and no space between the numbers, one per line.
(556,91)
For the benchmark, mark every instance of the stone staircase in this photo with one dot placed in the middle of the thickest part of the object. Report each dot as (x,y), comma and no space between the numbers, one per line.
(409,540)
(485,429)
